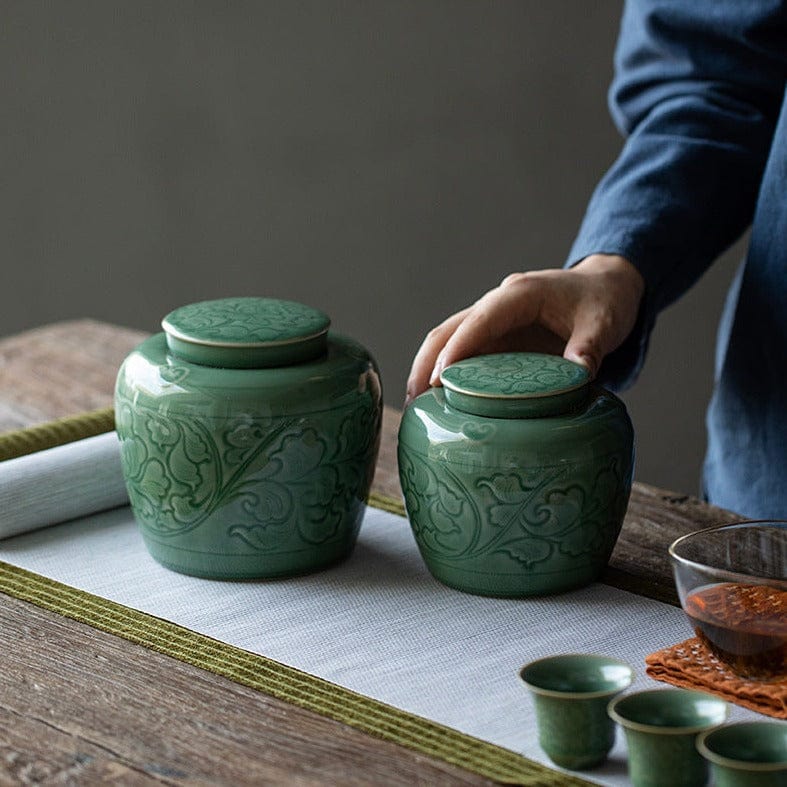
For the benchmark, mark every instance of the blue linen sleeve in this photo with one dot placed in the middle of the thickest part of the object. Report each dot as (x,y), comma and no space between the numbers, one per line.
(697,91)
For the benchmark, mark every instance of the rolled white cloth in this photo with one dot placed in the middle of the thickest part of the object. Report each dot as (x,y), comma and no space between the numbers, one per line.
(61,483)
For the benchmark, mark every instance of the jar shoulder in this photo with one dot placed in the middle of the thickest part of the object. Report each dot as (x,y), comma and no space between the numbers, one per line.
(151,376)
(434,429)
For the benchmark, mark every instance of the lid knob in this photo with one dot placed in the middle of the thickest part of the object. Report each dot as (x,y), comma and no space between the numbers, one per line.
(244,333)
(515,385)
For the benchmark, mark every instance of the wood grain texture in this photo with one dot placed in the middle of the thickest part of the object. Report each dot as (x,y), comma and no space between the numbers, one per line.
(80,706)
(59,370)
(655,518)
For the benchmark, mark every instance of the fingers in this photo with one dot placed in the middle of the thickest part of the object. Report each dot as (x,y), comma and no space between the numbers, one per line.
(587,334)
(612,292)
(425,358)
(584,349)
(584,312)
(594,334)
(501,312)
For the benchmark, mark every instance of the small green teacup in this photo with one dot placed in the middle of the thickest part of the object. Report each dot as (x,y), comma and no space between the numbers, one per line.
(661,726)
(747,754)
(570,694)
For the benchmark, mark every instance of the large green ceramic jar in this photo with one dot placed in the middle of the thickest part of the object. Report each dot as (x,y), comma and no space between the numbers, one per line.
(248,435)
(516,474)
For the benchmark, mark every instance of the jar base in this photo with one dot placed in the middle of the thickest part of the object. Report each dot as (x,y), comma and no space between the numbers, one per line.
(500,585)
(578,762)
(247,567)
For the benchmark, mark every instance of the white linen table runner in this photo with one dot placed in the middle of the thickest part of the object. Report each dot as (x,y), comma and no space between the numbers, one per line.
(377,624)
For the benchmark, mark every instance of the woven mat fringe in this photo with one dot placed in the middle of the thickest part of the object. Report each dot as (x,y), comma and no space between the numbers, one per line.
(691,665)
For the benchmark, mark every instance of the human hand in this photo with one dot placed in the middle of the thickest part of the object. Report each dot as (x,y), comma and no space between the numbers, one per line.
(583,313)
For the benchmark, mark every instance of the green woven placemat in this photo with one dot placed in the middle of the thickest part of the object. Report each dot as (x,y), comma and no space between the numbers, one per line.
(65,430)
(249,669)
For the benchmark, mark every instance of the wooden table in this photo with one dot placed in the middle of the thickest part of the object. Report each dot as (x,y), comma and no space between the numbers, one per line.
(81,706)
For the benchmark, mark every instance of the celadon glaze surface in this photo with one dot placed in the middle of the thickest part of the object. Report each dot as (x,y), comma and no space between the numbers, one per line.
(746,754)
(246,333)
(570,694)
(248,473)
(506,375)
(516,506)
(245,321)
(515,385)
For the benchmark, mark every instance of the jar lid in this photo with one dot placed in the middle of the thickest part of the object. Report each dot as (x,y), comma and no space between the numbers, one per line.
(246,332)
(515,385)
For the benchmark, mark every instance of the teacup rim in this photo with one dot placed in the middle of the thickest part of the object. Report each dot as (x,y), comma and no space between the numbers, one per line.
(585,695)
(731,762)
(656,729)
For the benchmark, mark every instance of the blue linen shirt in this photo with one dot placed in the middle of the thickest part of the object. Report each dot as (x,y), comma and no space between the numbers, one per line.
(699,92)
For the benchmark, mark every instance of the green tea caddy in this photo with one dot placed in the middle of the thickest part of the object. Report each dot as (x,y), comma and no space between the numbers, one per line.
(249,434)
(516,474)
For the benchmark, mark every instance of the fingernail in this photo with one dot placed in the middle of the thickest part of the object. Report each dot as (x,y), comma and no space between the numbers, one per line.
(583,360)
(436,372)
(589,363)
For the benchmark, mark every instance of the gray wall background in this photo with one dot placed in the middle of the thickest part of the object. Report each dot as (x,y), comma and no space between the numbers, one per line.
(387,161)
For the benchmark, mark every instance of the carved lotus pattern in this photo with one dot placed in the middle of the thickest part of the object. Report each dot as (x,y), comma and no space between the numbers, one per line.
(515,374)
(525,517)
(267,479)
(247,320)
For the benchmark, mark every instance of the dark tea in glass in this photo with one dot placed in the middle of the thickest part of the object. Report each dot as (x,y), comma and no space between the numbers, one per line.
(745,626)
(732,583)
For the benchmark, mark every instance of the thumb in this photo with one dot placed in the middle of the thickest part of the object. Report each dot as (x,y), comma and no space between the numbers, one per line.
(584,347)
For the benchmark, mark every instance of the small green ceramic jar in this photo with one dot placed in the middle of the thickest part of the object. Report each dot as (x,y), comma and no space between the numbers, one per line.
(516,474)
(248,435)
